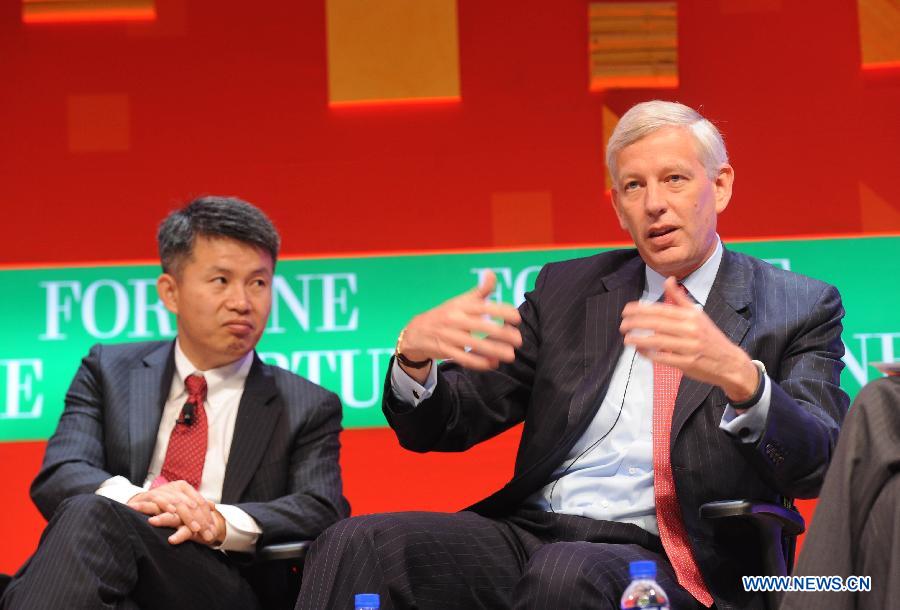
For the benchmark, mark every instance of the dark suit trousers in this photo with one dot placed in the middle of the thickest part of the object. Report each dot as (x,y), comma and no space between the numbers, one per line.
(97,553)
(436,561)
(856,528)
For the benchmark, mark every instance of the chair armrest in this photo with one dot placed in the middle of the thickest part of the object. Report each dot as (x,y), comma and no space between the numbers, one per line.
(777,525)
(791,522)
(284,551)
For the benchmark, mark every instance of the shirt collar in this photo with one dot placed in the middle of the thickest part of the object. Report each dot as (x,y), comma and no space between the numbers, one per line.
(230,376)
(698,284)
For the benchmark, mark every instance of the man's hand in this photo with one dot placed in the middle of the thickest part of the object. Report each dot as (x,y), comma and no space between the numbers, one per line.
(448,329)
(684,337)
(183,533)
(180,499)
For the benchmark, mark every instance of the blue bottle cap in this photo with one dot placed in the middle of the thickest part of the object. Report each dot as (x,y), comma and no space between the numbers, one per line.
(367,600)
(642,569)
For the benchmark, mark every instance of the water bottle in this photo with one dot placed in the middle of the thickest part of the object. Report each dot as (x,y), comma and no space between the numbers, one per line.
(369,601)
(644,592)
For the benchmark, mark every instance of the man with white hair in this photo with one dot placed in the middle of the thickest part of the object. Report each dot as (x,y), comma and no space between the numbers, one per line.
(649,380)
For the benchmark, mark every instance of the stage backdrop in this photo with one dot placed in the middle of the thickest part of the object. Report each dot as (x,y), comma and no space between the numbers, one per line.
(335,320)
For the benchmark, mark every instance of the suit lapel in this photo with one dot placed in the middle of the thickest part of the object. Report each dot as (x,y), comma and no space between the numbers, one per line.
(149,388)
(603,342)
(258,413)
(726,306)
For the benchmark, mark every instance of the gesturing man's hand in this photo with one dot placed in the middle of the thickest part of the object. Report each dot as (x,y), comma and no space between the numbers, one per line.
(461,329)
(684,337)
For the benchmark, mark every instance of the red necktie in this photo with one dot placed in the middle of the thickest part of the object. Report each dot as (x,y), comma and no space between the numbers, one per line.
(668,513)
(187,444)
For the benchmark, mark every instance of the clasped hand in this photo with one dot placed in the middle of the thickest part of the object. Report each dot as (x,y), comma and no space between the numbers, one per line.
(452,329)
(178,505)
(684,337)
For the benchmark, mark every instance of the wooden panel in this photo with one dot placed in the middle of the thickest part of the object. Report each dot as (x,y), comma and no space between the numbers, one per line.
(392,50)
(879,32)
(633,45)
(74,11)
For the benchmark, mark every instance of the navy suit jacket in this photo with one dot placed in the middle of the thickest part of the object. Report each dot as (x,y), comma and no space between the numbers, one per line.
(571,343)
(283,466)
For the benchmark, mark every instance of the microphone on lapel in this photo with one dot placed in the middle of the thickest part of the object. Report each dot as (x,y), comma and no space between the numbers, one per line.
(187,414)
(196,388)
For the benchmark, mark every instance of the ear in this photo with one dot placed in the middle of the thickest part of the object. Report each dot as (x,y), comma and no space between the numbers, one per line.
(167,288)
(722,185)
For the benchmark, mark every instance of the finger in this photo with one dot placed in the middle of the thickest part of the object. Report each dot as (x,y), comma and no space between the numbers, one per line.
(486,286)
(677,361)
(506,334)
(663,343)
(661,309)
(501,311)
(146,507)
(462,341)
(182,534)
(676,294)
(656,325)
(200,509)
(492,350)
(165,520)
(165,496)
(497,332)
(471,361)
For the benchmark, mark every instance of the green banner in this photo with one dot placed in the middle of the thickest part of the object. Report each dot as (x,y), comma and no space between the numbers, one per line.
(335,320)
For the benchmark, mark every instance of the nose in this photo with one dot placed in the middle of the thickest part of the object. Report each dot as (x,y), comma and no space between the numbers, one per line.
(654,199)
(238,300)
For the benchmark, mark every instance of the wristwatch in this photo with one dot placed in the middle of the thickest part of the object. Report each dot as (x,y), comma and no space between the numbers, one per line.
(413,364)
(760,386)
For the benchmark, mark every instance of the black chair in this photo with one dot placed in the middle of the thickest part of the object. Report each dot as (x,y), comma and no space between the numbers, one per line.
(274,572)
(778,526)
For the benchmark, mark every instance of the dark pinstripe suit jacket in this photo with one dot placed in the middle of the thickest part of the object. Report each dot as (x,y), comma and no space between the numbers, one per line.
(571,345)
(283,466)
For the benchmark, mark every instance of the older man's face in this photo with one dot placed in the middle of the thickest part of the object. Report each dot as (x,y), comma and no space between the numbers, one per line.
(665,200)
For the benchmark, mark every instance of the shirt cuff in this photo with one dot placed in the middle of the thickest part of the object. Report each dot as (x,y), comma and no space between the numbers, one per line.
(241,530)
(749,426)
(408,390)
(118,488)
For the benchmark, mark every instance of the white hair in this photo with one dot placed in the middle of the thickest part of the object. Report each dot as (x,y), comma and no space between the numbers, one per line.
(643,119)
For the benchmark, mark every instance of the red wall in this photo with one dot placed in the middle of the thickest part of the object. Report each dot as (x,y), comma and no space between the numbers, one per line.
(226,96)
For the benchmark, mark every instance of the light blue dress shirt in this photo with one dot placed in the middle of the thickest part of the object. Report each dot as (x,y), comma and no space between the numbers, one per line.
(613,479)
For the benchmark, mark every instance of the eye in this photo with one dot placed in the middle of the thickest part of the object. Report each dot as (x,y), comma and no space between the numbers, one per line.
(676,178)
(631,185)
(259,283)
(220,279)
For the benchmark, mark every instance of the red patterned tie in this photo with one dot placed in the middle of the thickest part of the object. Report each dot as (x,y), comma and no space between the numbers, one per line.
(187,444)
(668,513)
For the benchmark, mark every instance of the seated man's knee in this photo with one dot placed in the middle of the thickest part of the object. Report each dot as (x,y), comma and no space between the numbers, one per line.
(85,506)
(574,574)
(356,533)
(94,516)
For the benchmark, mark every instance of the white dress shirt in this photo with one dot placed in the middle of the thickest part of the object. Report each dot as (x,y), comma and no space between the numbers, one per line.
(224,388)
(613,480)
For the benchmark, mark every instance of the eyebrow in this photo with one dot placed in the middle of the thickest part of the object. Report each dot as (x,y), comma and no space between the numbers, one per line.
(678,168)
(225,270)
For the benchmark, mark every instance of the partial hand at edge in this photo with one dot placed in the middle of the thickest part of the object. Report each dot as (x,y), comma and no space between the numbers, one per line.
(447,330)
